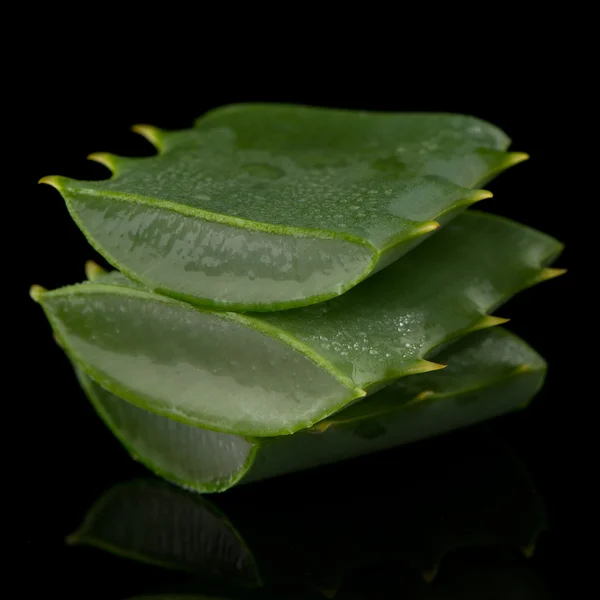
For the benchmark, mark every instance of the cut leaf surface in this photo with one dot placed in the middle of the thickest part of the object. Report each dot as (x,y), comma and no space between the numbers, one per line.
(263,207)
(489,373)
(267,374)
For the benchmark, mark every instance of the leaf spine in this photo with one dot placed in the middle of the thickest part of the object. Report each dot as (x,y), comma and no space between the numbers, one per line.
(36,291)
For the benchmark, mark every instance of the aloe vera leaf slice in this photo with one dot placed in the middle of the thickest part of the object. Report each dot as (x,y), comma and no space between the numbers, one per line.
(266,374)
(264,207)
(208,545)
(489,373)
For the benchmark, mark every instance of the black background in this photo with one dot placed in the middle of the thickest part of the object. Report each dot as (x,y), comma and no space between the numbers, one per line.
(64,458)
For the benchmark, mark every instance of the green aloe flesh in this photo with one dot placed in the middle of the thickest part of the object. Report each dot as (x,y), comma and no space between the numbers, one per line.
(268,374)
(267,537)
(489,373)
(264,207)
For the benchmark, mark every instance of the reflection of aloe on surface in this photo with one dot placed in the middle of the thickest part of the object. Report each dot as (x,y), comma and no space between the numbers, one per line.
(178,597)
(275,537)
(269,207)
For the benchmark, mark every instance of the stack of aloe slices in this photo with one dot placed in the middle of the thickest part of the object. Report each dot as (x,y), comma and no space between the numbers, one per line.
(291,283)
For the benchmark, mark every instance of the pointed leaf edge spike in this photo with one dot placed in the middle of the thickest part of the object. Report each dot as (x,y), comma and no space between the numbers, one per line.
(514,158)
(93,270)
(36,291)
(429,574)
(419,230)
(424,366)
(546,274)
(488,321)
(103,158)
(320,427)
(150,133)
(427,227)
(51,180)
(468,200)
(479,195)
(551,273)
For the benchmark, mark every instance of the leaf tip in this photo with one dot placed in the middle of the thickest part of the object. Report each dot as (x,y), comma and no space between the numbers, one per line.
(545,274)
(104,158)
(428,226)
(479,195)
(491,321)
(550,273)
(320,427)
(486,322)
(150,133)
(93,270)
(424,366)
(514,158)
(52,180)
(36,291)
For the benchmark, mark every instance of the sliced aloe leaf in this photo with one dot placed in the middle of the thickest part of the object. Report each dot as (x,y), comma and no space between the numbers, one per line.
(300,538)
(263,207)
(489,373)
(267,374)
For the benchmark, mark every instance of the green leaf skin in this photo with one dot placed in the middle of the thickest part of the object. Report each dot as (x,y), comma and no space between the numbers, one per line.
(265,207)
(266,374)
(489,373)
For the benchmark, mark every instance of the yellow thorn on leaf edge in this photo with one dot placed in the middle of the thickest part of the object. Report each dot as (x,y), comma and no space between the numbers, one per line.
(424,366)
(93,270)
(550,273)
(51,180)
(103,158)
(36,291)
(151,133)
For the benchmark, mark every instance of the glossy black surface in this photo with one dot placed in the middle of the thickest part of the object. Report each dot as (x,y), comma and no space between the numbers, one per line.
(64,458)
